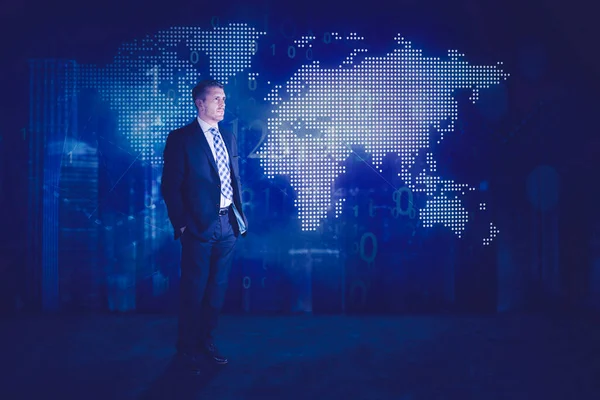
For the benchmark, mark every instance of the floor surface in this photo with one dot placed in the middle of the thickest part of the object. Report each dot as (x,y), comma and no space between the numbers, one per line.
(305,357)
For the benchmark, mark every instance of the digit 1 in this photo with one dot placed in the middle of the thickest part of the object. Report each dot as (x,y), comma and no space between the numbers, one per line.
(154,72)
(267,196)
(234,126)
(273,47)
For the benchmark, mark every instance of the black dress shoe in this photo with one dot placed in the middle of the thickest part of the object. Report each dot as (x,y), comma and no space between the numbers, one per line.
(212,352)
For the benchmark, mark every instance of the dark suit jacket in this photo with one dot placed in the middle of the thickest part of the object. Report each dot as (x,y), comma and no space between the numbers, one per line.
(190,182)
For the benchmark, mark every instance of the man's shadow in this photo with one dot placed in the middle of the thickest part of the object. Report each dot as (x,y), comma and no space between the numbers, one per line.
(179,382)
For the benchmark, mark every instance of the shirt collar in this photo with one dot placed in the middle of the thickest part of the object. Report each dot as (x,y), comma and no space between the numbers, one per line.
(205,125)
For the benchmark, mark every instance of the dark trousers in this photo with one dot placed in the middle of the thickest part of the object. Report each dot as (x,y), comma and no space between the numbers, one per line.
(205,267)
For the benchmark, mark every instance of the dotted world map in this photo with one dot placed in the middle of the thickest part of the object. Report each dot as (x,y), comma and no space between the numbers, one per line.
(396,103)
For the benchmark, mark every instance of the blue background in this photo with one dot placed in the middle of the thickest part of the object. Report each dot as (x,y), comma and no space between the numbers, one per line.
(527,144)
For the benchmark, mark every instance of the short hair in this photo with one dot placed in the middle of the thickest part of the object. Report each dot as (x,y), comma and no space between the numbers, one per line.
(199,91)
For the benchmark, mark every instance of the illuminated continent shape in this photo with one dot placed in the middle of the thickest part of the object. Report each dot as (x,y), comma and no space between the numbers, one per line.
(387,104)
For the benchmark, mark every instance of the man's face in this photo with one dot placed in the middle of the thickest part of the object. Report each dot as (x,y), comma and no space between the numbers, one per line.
(212,108)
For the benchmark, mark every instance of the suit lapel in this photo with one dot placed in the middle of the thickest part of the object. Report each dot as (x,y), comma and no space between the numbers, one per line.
(200,139)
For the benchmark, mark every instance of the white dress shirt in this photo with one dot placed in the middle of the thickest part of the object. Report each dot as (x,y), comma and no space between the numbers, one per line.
(225,202)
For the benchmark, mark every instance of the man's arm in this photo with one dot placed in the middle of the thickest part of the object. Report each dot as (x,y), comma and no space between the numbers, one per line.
(172,180)
(236,157)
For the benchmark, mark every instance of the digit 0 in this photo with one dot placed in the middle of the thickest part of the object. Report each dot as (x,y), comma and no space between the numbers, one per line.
(397,197)
(291,51)
(246,282)
(250,197)
(248,202)
(252,84)
(363,240)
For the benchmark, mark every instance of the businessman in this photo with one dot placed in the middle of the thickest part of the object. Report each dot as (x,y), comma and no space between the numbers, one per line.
(202,191)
